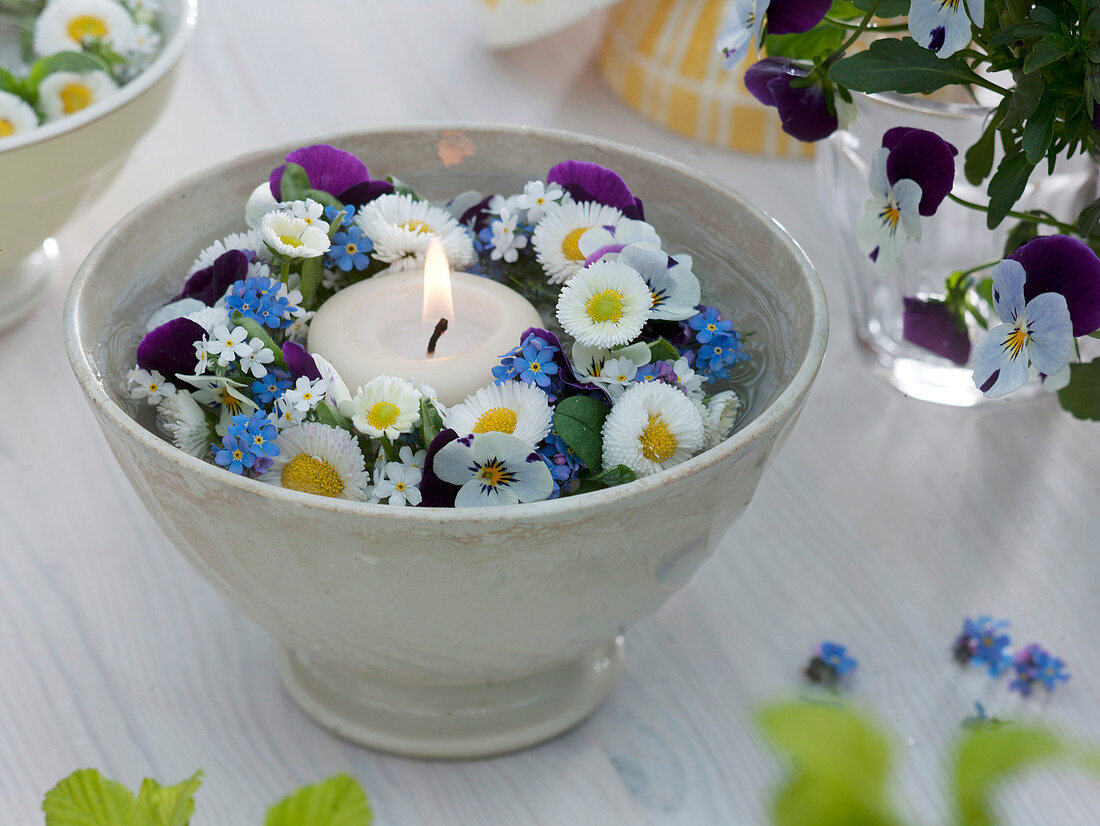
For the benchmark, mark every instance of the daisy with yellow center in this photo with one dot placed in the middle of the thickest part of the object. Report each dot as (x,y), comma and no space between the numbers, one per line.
(557,236)
(513,407)
(67,25)
(294,237)
(315,458)
(16,115)
(653,426)
(401,229)
(605,305)
(385,406)
(65,93)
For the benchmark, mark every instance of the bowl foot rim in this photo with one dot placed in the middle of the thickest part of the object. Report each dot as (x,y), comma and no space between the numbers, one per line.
(450,722)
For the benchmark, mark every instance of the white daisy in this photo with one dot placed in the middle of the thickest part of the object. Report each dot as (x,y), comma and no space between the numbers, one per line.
(399,485)
(493,469)
(719,413)
(185,422)
(401,228)
(627,231)
(245,241)
(210,317)
(176,309)
(537,198)
(605,305)
(652,427)
(309,211)
(522,410)
(149,385)
(65,25)
(557,236)
(316,458)
(16,115)
(506,241)
(588,362)
(63,93)
(385,406)
(674,287)
(306,394)
(292,237)
(228,344)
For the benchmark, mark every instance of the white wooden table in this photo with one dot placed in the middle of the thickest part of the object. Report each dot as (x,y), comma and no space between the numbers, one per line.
(882,523)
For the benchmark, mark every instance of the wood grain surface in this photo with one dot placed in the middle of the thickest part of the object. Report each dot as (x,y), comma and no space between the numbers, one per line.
(882,523)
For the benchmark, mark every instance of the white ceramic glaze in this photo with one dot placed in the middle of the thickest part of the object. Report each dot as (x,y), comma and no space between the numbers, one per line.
(49,173)
(440,632)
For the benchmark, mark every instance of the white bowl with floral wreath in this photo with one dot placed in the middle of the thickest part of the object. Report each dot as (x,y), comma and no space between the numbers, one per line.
(92,78)
(452,631)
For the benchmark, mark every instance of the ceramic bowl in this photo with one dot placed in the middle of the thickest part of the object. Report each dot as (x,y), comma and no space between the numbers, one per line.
(443,632)
(51,172)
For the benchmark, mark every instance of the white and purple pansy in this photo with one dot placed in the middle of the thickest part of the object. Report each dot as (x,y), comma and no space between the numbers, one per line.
(943,25)
(892,207)
(1038,332)
(493,468)
(743,28)
(613,237)
(676,291)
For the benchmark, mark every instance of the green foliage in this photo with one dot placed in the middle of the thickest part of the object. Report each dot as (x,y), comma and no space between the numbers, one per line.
(402,188)
(1088,221)
(295,186)
(1081,396)
(1006,186)
(979,157)
(579,421)
(10,83)
(167,805)
(312,273)
(840,765)
(617,475)
(661,350)
(64,62)
(338,801)
(807,46)
(901,66)
(333,418)
(886,8)
(430,422)
(1019,235)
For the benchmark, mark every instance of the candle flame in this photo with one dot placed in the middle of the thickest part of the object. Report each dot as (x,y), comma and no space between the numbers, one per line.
(437,285)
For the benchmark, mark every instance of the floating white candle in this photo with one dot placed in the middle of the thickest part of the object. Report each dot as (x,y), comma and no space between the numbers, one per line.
(382,326)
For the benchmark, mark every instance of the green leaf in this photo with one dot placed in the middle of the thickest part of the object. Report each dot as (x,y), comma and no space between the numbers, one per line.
(168,805)
(1081,397)
(87,798)
(402,188)
(256,330)
(338,801)
(324,198)
(979,157)
(617,475)
(64,62)
(1039,130)
(988,755)
(295,185)
(1023,102)
(333,418)
(886,9)
(10,83)
(1045,52)
(1006,186)
(430,422)
(1088,221)
(893,65)
(661,350)
(840,764)
(579,422)
(312,272)
(821,39)
(1020,235)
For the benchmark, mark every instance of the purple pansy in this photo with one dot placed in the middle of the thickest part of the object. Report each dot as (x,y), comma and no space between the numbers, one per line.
(1064,265)
(334,171)
(795,16)
(921,156)
(803,110)
(434,492)
(300,362)
(210,284)
(170,348)
(929,323)
(587,181)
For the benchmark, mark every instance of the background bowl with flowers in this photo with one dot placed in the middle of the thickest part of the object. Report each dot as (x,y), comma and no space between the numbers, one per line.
(467,631)
(80,82)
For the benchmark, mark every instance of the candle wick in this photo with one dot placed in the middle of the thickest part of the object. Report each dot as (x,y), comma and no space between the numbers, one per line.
(440,329)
